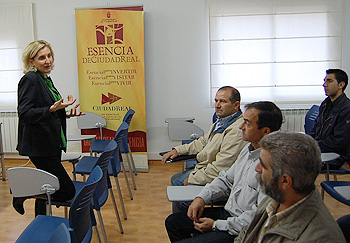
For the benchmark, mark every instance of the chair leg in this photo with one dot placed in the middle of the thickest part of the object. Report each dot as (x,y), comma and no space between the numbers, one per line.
(322,194)
(127,181)
(120,197)
(65,212)
(132,160)
(74,174)
(97,233)
(184,166)
(131,171)
(102,225)
(117,213)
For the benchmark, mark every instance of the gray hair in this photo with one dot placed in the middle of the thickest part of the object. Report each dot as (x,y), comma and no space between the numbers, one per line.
(295,154)
(31,51)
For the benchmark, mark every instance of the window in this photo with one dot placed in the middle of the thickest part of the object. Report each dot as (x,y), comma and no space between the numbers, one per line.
(16,32)
(275,50)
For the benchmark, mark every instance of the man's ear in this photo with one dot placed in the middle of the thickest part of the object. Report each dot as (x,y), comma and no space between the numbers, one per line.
(341,84)
(237,104)
(266,130)
(286,181)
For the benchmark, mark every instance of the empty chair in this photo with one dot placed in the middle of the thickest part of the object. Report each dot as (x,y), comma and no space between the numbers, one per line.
(60,235)
(100,144)
(40,182)
(125,148)
(326,157)
(87,163)
(339,190)
(101,192)
(78,223)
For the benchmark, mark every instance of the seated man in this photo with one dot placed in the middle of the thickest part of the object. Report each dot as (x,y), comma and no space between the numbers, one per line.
(216,150)
(294,212)
(332,126)
(239,182)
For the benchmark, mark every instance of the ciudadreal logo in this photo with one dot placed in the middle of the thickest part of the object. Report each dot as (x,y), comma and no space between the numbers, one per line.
(109,34)
(111,98)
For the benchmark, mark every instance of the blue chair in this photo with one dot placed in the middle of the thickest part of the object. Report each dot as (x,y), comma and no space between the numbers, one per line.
(339,190)
(310,118)
(99,145)
(125,148)
(85,166)
(78,223)
(101,192)
(60,235)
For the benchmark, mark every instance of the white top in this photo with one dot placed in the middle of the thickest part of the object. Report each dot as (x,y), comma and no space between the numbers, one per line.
(244,190)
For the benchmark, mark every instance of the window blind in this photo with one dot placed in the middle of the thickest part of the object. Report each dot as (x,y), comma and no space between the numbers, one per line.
(275,50)
(16,33)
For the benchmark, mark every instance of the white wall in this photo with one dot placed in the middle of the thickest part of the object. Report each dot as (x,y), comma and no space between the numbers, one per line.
(176,52)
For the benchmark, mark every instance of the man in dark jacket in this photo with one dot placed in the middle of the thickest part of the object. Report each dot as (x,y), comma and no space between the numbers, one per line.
(332,126)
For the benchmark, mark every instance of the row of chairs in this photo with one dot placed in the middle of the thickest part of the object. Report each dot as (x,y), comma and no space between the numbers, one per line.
(110,161)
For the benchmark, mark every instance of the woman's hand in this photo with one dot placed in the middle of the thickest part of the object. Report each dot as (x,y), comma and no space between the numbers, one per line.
(61,105)
(58,105)
(74,111)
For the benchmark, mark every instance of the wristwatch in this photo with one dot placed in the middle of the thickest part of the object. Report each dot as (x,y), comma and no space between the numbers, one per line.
(214,227)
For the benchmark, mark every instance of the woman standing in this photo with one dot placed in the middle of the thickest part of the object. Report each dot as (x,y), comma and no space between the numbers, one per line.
(42,121)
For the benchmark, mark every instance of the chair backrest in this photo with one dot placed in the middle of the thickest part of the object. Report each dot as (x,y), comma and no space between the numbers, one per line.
(39,180)
(90,121)
(60,235)
(124,148)
(213,119)
(310,118)
(114,167)
(80,209)
(120,133)
(128,116)
(101,191)
(116,158)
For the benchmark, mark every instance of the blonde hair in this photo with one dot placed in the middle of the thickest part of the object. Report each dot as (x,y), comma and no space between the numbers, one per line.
(31,51)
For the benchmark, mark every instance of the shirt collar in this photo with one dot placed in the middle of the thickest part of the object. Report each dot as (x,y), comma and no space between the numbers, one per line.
(272,207)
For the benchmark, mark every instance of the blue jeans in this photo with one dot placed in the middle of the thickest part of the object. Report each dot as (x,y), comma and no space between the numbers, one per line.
(178,178)
(180,228)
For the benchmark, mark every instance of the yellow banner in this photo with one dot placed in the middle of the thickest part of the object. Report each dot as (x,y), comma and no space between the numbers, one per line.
(110,53)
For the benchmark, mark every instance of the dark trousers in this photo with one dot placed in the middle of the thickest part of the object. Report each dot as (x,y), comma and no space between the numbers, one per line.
(181,228)
(344,224)
(53,165)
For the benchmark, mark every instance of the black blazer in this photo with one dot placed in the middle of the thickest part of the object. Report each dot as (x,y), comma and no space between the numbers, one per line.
(39,131)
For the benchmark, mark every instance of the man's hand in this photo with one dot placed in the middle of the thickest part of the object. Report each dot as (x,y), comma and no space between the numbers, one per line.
(186,182)
(204,225)
(196,208)
(171,154)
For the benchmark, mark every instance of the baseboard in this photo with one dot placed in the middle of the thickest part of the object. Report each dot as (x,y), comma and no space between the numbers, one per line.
(154,156)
